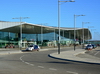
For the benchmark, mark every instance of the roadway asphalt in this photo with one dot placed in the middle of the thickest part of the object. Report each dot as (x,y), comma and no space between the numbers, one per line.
(70,55)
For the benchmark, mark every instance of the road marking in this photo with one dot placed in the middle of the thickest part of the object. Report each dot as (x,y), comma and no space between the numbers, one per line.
(22,59)
(52,69)
(27,63)
(32,64)
(96,53)
(71,72)
(40,66)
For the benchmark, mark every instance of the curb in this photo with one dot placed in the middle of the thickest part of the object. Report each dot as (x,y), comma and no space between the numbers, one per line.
(5,53)
(72,60)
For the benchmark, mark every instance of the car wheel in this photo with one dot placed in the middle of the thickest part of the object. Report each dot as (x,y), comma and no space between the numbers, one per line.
(32,50)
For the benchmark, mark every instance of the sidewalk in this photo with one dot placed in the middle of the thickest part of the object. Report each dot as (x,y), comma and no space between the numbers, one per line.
(4,51)
(74,56)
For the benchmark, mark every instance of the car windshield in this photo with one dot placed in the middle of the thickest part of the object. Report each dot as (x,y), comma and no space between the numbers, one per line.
(89,45)
(30,45)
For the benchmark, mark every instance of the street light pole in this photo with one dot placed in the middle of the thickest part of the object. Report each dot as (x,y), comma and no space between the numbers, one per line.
(88,32)
(75,29)
(21,29)
(83,32)
(92,33)
(54,34)
(41,35)
(59,26)
(59,22)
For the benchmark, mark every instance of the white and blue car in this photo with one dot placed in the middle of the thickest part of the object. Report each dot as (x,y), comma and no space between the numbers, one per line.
(33,48)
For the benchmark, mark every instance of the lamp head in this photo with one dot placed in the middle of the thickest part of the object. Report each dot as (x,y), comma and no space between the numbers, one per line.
(72,1)
(82,15)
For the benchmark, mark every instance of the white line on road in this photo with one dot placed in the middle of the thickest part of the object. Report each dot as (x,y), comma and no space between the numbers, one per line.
(52,69)
(32,64)
(23,61)
(96,53)
(71,72)
(40,66)
(27,63)
(21,58)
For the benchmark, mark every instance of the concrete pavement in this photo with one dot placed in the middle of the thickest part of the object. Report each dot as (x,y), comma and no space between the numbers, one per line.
(74,56)
(4,51)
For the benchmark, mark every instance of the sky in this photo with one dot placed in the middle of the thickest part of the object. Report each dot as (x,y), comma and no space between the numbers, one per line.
(45,12)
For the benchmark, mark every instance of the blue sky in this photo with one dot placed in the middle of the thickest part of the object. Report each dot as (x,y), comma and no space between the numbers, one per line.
(46,12)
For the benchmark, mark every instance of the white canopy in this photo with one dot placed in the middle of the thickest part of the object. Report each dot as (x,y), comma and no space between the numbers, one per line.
(29,28)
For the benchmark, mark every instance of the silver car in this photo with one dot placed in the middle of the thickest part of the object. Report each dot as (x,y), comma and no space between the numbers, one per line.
(33,48)
(89,47)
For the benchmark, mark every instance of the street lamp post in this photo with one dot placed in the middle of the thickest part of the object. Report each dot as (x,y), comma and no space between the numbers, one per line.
(41,34)
(54,34)
(92,33)
(59,22)
(83,32)
(88,32)
(21,29)
(75,28)
(63,34)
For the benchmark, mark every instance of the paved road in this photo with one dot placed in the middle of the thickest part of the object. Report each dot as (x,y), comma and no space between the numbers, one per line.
(40,63)
(95,53)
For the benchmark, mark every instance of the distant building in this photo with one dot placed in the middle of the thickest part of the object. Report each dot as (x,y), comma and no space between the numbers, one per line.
(93,42)
(27,33)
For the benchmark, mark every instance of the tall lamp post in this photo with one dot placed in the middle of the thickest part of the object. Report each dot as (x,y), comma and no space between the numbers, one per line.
(92,33)
(75,28)
(42,33)
(21,29)
(96,33)
(83,32)
(59,22)
(88,32)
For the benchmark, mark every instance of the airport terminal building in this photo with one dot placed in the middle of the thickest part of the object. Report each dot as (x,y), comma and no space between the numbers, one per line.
(28,33)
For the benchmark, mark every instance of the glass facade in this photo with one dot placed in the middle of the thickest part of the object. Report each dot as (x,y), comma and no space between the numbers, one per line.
(14,38)
(48,36)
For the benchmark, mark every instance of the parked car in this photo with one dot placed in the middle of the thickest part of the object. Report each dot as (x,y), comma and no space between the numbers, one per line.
(94,46)
(9,46)
(85,45)
(89,47)
(33,48)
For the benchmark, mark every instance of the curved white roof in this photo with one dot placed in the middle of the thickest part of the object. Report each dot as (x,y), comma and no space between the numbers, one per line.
(29,28)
